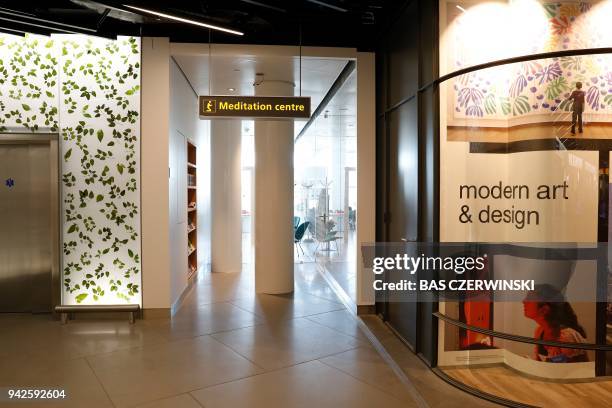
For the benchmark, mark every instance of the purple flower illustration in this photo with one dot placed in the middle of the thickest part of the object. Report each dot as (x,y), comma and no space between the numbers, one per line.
(474,111)
(517,87)
(549,73)
(470,94)
(592,97)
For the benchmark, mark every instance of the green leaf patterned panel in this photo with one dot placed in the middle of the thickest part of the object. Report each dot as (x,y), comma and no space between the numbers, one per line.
(28,84)
(100,126)
(88,90)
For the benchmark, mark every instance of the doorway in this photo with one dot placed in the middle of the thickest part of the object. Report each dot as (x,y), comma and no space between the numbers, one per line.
(29,215)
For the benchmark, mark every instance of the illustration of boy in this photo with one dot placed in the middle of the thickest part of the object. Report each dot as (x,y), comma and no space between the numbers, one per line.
(577,96)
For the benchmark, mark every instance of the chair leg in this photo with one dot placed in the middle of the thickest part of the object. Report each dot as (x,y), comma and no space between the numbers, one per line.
(296,249)
(300,247)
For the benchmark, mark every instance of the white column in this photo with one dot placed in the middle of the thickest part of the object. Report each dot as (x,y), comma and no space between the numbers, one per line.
(274,198)
(226,171)
(154,170)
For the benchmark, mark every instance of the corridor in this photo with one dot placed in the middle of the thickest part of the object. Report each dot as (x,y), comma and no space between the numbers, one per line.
(225,347)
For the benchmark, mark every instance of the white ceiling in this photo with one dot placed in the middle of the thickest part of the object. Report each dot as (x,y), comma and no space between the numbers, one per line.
(239,72)
(318,74)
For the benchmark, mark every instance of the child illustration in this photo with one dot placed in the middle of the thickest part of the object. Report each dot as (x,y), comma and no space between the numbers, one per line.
(577,97)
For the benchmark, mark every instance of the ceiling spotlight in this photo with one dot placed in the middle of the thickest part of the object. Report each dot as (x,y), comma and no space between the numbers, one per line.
(184,20)
(231,89)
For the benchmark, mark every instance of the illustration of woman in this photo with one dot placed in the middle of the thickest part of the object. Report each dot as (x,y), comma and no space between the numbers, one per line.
(556,321)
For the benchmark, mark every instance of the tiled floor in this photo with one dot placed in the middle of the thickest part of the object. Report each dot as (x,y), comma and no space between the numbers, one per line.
(225,347)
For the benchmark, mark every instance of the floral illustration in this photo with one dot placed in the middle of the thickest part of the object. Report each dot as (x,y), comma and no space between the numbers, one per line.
(539,86)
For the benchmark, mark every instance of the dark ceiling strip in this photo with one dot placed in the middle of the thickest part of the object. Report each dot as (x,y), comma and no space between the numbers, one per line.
(344,74)
(522,339)
(17,11)
(103,17)
(264,5)
(39,25)
(12,31)
(513,60)
(42,20)
(331,6)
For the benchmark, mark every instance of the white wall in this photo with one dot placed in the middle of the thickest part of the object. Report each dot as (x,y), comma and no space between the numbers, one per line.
(185,125)
(366,170)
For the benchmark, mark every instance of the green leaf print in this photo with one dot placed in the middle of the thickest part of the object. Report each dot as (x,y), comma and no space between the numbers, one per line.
(556,87)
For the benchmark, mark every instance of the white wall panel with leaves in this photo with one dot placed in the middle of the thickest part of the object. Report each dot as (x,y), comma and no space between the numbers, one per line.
(88,89)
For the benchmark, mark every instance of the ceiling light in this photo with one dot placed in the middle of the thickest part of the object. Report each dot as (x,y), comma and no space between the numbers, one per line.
(231,89)
(42,20)
(46,27)
(184,20)
(11,30)
(461,8)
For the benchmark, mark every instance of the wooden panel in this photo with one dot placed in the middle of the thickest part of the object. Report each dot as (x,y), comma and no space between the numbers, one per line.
(507,383)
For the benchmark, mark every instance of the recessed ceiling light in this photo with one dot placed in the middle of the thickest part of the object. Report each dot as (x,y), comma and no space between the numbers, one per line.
(460,8)
(231,89)
(184,20)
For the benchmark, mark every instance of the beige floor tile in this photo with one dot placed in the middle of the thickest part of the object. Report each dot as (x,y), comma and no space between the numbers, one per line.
(74,376)
(435,391)
(291,342)
(178,401)
(342,321)
(221,287)
(46,338)
(141,375)
(366,365)
(192,321)
(284,307)
(308,280)
(310,384)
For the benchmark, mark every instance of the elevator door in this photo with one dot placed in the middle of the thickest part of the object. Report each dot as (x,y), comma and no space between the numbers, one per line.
(26,251)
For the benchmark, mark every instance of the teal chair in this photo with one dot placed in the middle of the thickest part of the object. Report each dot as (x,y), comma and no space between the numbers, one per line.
(296,222)
(299,234)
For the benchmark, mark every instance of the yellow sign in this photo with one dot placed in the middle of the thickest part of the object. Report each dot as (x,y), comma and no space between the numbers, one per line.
(275,107)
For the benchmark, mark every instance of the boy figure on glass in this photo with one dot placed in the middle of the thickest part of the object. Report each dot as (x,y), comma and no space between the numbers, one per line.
(577,96)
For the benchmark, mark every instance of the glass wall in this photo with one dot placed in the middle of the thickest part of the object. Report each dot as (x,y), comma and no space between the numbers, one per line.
(325,164)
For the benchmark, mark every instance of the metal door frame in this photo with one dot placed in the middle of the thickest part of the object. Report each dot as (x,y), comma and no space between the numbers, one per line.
(52,139)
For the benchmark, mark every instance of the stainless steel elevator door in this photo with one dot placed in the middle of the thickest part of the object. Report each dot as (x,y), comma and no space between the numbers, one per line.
(25,228)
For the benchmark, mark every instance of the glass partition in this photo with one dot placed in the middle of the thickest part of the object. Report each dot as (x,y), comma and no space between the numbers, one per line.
(325,162)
